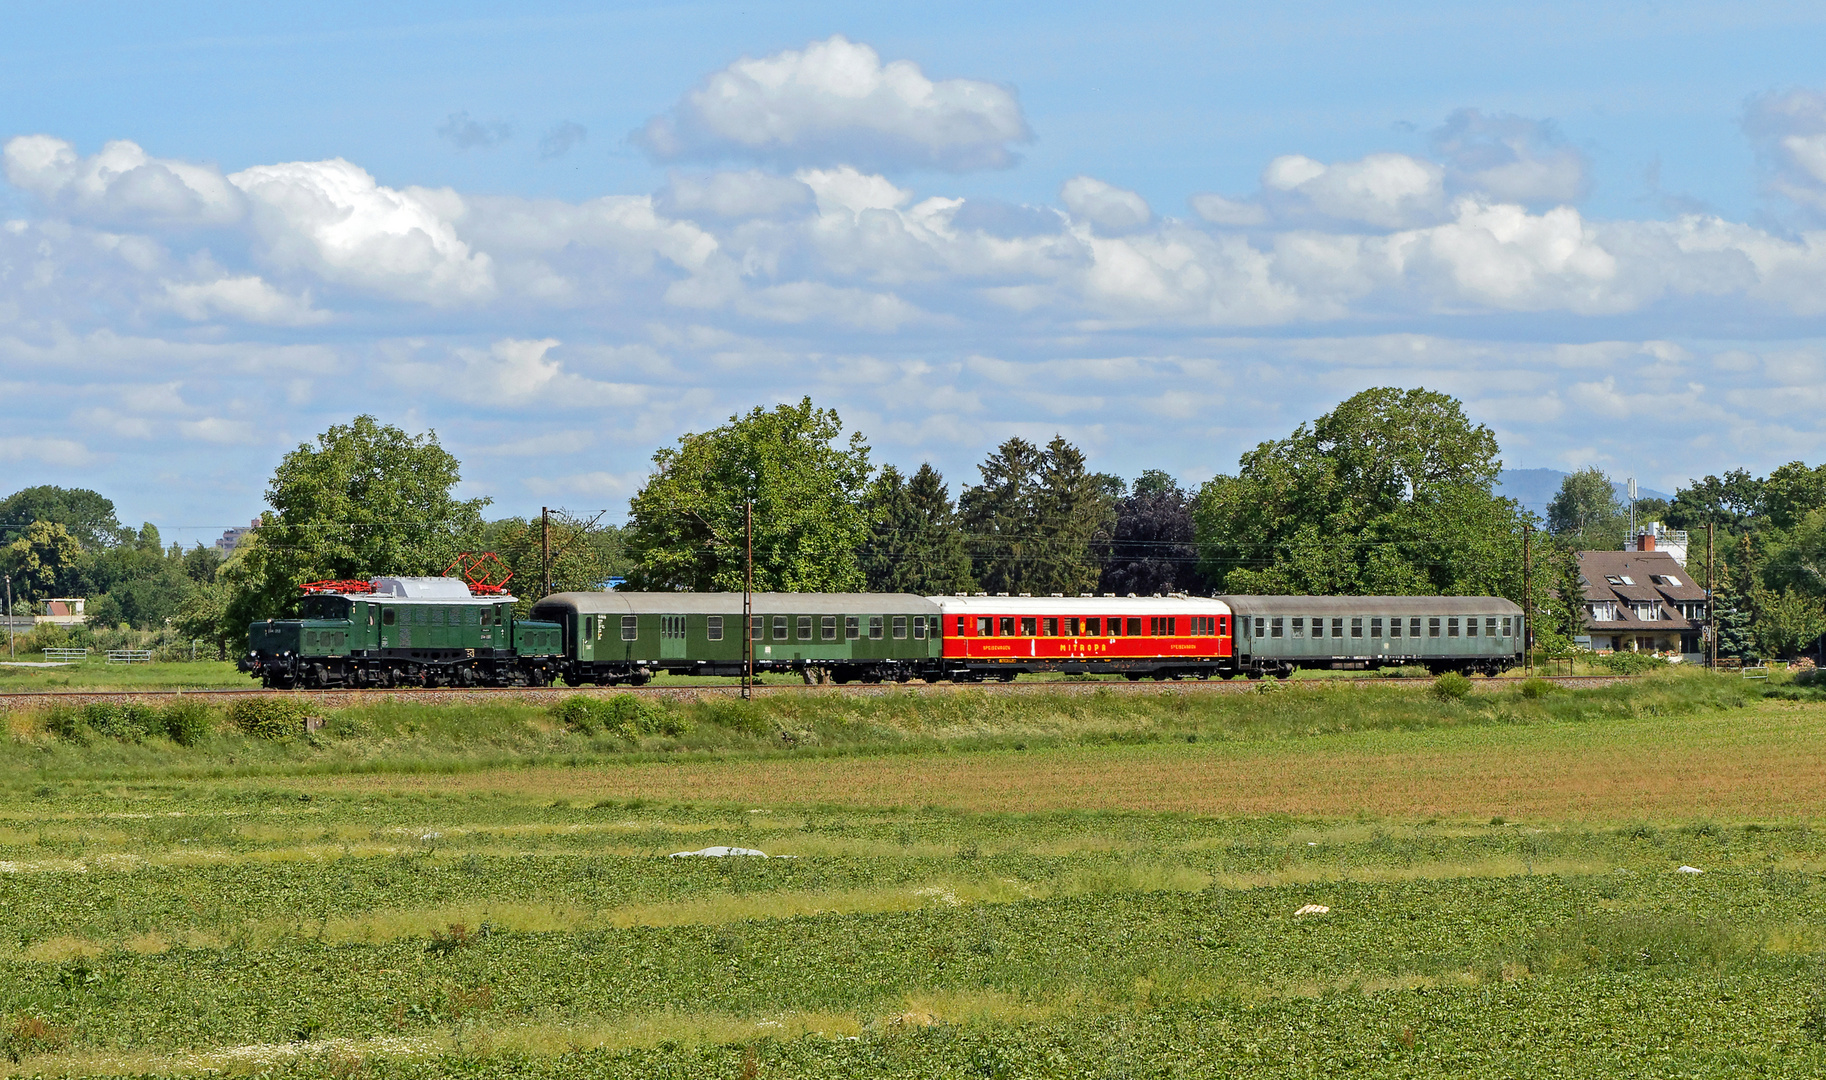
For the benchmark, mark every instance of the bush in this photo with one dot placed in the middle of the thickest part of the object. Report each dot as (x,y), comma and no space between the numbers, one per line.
(1451,686)
(128,723)
(186,722)
(271,717)
(1533,689)
(623,715)
(66,722)
(1629,663)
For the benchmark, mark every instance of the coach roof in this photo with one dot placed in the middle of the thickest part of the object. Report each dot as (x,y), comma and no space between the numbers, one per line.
(730,603)
(1371,605)
(1080,605)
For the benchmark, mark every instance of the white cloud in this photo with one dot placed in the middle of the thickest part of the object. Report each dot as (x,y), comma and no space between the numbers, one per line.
(835,102)
(332,218)
(246,298)
(747,194)
(66,453)
(214,429)
(1221,211)
(1789,131)
(465,132)
(121,182)
(1106,205)
(1387,190)
(1512,158)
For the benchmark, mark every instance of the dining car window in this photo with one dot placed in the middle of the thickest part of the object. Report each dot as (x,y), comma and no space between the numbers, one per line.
(985,626)
(1028,628)
(1093,627)
(1008,626)
(1049,627)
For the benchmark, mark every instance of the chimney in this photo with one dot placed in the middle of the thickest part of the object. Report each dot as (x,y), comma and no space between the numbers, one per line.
(1645,542)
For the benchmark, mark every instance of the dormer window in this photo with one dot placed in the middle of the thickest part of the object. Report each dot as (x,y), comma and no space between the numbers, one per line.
(1614,579)
(1627,580)
(1665,579)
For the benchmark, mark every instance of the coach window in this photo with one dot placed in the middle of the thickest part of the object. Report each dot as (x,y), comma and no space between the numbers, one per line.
(919,628)
(828,627)
(1274,627)
(1299,626)
(985,627)
(1337,628)
(1071,628)
(1452,626)
(852,627)
(1490,626)
(805,628)
(713,627)
(900,627)
(757,625)
(1508,629)
(1432,626)
(1134,628)
(1356,626)
(1375,627)
(1115,627)
(1049,627)
(935,629)
(1414,626)
(1008,626)
(1471,626)
(1028,628)
(630,627)
(1261,626)
(779,628)
(1093,628)
(1395,627)
(876,627)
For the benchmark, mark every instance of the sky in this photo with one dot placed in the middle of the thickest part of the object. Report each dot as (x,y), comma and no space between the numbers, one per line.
(562,237)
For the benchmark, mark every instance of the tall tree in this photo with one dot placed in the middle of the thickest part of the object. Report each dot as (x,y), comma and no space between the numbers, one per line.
(44,561)
(685,528)
(1036,520)
(1729,503)
(366,499)
(1792,492)
(1152,548)
(1586,515)
(84,514)
(1389,493)
(915,544)
(584,553)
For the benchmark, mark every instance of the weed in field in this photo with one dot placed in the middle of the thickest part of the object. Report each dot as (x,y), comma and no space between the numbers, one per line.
(1451,686)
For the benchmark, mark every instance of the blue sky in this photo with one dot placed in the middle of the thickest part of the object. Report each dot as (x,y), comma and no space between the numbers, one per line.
(564,236)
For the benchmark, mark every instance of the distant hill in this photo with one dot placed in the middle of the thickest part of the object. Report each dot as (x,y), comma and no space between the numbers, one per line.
(1535,488)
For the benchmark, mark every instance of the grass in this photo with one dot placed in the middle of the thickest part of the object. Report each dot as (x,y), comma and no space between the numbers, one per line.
(980,886)
(96,673)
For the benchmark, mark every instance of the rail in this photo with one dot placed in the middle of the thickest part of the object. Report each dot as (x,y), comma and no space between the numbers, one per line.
(129,656)
(65,656)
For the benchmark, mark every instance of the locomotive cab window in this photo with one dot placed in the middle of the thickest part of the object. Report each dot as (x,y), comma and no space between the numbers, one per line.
(486,616)
(386,617)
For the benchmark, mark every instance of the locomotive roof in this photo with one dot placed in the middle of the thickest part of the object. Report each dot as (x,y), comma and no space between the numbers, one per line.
(730,603)
(1080,605)
(430,590)
(1372,605)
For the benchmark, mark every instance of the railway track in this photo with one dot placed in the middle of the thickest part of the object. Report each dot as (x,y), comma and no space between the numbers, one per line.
(336,699)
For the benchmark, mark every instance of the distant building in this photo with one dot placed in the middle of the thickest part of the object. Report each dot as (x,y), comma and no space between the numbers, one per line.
(233,537)
(1655,536)
(62,611)
(1642,601)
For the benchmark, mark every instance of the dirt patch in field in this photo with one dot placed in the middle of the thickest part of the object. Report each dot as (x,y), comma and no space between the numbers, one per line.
(1763,763)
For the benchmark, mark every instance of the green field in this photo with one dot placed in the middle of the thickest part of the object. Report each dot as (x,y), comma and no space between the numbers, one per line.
(1073,885)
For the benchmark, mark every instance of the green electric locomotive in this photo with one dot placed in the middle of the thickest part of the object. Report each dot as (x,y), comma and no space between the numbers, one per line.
(403,631)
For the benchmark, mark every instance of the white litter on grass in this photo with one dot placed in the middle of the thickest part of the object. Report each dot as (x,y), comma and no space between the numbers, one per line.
(716,853)
(1689,870)
(1313,909)
(943,896)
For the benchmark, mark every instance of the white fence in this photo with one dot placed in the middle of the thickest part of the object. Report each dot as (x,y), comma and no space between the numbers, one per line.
(129,656)
(65,656)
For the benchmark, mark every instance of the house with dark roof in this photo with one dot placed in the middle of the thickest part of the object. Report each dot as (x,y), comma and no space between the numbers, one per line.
(1642,601)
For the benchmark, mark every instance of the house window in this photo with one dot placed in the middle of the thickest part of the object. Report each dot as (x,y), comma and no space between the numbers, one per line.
(1029,627)
(1299,627)
(900,627)
(1274,628)
(713,627)
(1356,626)
(828,626)
(630,627)
(1646,612)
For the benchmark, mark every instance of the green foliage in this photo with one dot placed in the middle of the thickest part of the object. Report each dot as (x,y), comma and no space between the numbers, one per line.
(1586,515)
(1787,621)
(275,718)
(187,722)
(128,722)
(583,553)
(367,499)
(1629,663)
(915,544)
(624,715)
(183,722)
(44,561)
(1729,503)
(1038,519)
(84,514)
(686,529)
(1535,689)
(1450,687)
(1388,494)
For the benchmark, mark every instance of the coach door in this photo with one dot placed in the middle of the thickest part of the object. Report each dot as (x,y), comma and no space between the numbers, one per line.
(671,637)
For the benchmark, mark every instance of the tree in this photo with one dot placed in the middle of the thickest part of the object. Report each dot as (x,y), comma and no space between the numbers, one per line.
(1388,494)
(1728,504)
(1586,515)
(1787,622)
(915,544)
(584,553)
(1152,548)
(1035,521)
(1792,492)
(44,561)
(367,499)
(685,527)
(85,514)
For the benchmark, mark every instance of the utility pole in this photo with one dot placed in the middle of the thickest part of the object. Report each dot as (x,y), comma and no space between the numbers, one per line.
(9,618)
(545,549)
(748,602)
(1711,606)
(1527,599)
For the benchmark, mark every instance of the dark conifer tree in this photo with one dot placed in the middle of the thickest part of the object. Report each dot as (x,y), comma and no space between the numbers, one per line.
(915,544)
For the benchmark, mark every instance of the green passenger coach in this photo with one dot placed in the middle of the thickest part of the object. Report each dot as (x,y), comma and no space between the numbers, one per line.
(614,637)
(1469,634)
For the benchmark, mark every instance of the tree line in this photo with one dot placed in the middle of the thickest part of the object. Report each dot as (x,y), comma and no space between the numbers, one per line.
(1393,492)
